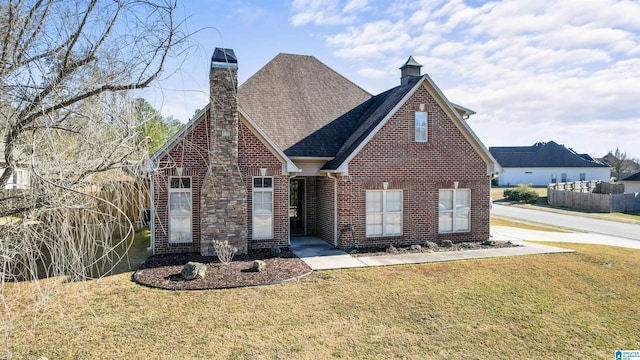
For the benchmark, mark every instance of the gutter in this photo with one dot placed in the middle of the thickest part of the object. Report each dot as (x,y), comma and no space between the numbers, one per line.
(335,209)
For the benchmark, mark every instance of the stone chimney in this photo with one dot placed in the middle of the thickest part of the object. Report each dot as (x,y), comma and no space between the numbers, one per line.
(223,213)
(410,69)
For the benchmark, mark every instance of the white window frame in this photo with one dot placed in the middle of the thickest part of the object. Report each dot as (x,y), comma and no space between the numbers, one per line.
(176,191)
(254,216)
(455,213)
(385,215)
(421,130)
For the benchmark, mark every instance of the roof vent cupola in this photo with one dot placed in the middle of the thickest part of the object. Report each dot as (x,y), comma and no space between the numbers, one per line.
(410,69)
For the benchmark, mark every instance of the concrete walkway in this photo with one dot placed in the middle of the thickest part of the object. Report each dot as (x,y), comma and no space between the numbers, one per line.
(321,256)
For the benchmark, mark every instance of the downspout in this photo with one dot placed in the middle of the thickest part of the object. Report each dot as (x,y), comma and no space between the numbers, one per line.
(335,209)
(152,215)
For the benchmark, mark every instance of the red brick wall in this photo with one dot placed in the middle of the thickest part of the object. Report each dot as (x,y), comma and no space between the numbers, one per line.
(191,154)
(420,170)
(325,214)
(254,155)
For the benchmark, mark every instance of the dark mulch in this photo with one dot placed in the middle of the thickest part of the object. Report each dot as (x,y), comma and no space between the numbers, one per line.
(163,271)
(377,251)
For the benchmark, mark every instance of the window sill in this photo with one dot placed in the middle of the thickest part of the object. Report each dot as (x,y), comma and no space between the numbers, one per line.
(383,236)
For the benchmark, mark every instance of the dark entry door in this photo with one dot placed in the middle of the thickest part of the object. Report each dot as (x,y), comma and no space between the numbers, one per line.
(297,214)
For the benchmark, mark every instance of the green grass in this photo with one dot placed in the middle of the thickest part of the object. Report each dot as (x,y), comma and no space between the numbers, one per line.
(579,305)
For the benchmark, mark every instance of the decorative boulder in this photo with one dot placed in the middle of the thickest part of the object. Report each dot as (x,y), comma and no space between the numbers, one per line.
(446,243)
(193,270)
(276,251)
(430,245)
(416,247)
(489,243)
(258,266)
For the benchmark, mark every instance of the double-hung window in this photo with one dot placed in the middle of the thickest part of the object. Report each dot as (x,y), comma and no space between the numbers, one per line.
(262,224)
(421,126)
(180,209)
(384,213)
(454,210)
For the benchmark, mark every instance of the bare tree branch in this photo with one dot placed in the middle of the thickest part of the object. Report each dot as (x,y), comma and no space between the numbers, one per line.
(68,125)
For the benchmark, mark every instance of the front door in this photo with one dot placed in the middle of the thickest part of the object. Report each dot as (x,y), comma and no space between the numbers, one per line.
(297,216)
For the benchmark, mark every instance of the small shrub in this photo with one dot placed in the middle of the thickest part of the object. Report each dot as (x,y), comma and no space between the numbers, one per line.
(522,193)
(224,251)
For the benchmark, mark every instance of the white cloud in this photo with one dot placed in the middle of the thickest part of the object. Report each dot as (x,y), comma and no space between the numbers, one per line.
(355,5)
(371,40)
(562,66)
(326,12)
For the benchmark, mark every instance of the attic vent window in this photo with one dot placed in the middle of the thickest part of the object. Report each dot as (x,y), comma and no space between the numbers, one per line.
(421,126)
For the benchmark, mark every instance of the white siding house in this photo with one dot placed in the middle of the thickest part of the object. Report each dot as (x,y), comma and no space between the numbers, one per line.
(545,163)
(631,183)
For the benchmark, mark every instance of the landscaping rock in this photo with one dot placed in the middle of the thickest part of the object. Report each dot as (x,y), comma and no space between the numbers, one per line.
(430,245)
(467,246)
(258,266)
(193,270)
(446,243)
(489,243)
(276,251)
(416,247)
(392,249)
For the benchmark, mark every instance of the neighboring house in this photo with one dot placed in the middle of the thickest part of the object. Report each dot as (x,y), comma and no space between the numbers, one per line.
(627,167)
(303,151)
(545,163)
(631,183)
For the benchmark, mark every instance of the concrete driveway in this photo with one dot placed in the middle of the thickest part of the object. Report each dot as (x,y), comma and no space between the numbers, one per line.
(567,221)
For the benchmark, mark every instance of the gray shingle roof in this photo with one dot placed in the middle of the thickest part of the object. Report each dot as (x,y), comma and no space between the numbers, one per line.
(634,177)
(341,136)
(541,155)
(295,95)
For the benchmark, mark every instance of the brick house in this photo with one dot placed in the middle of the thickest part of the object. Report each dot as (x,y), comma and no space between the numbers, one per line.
(300,150)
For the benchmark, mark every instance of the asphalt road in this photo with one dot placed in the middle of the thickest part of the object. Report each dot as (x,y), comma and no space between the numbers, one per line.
(579,223)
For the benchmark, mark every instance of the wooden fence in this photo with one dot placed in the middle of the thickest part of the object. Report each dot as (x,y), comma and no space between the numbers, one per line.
(595,196)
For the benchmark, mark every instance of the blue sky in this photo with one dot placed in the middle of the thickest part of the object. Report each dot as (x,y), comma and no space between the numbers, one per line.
(533,70)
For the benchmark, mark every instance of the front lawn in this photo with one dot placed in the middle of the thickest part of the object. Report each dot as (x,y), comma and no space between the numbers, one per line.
(580,305)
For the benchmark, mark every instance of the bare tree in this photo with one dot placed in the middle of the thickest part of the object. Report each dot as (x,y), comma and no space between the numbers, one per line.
(67,120)
(622,164)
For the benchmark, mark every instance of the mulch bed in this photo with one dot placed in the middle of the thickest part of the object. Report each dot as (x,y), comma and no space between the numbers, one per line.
(163,271)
